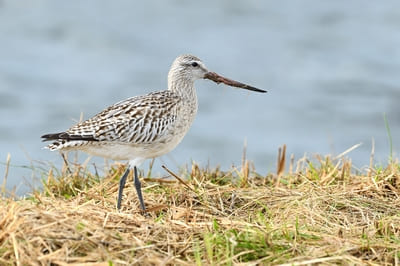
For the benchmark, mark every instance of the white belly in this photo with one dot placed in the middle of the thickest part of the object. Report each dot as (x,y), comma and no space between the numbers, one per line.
(126,151)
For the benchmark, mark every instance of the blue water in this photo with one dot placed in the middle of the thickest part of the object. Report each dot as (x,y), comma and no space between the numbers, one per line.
(331,69)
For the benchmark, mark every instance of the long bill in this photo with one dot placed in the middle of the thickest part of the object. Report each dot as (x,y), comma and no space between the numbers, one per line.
(220,79)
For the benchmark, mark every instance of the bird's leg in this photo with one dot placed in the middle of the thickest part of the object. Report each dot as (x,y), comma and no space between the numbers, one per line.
(138,187)
(122,182)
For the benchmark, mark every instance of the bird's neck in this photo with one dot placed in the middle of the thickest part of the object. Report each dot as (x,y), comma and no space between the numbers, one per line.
(183,87)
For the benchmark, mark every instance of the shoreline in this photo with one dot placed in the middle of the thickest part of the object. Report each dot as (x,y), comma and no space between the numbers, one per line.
(318,211)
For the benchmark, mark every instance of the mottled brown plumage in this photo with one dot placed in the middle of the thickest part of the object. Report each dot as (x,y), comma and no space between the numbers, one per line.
(137,120)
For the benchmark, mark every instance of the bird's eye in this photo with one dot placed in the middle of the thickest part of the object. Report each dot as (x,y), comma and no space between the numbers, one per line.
(195,64)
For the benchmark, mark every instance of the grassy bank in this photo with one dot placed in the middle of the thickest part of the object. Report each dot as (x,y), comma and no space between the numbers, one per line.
(320,212)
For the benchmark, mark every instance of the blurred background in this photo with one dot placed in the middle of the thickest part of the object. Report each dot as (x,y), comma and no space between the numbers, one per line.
(331,68)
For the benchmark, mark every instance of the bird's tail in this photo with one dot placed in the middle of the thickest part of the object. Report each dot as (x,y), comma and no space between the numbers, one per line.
(52,136)
(63,140)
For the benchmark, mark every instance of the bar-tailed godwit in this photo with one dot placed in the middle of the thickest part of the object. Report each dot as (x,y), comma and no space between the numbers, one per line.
(143,127)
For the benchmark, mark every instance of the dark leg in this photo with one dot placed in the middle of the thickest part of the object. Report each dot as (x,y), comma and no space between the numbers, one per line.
(122,182)
(138,187)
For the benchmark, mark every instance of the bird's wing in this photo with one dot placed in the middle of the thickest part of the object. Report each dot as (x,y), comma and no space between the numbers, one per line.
(139,119)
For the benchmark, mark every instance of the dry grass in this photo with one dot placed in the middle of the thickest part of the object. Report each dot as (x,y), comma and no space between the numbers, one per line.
(321,212)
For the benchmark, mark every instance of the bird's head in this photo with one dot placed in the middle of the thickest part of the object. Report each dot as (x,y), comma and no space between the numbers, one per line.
(188,68)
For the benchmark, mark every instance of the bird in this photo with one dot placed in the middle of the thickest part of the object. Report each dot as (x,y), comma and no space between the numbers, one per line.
(143,127)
